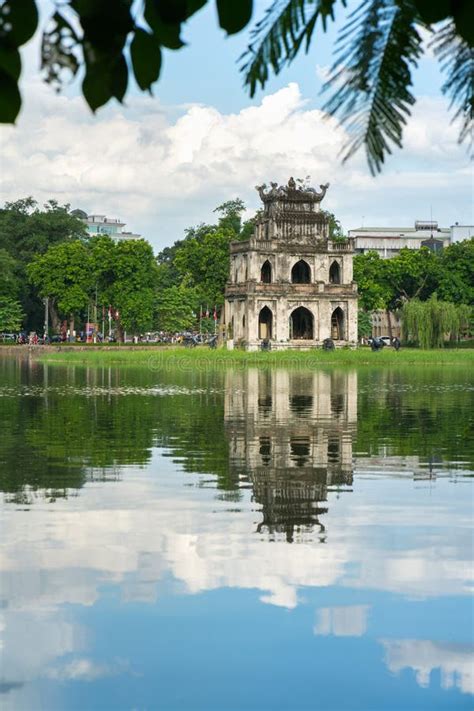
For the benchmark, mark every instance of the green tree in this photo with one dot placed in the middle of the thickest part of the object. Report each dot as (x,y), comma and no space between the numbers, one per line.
(230,215)
(128,279)
(335,228)
(26,230)
(429,323)
(364,325)
(411,275)
(64,274)
(371,278)
(456,273)
(10,283)
(176,309)
(371,78)
(389,283)
(11,314)
(203,265)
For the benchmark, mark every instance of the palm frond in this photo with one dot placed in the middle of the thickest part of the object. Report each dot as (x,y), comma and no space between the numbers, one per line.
(372,75)
(457,60)
(277,38)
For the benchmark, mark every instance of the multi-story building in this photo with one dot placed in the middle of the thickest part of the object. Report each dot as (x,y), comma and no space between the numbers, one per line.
(102,225)
(290,284)
(388,241)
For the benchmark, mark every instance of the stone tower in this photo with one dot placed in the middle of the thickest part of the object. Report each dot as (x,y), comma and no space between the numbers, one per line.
(290,283)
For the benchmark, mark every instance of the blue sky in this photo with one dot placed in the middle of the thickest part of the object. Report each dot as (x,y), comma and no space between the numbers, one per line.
(164,163)
(220,82)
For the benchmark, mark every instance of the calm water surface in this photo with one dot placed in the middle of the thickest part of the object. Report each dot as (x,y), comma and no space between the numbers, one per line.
(249,539)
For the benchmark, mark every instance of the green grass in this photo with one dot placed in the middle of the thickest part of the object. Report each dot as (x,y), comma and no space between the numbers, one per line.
(203,357)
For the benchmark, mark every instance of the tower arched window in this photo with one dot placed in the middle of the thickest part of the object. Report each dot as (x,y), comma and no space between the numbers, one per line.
(266,272)
(301,273)
(265,323)
(301,324)
(337,324)
(335,273)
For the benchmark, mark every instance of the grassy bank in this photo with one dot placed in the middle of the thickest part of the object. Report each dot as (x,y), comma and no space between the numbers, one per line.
(203,357)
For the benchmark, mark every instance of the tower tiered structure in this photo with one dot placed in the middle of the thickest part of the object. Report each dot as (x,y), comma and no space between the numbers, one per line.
(290,284)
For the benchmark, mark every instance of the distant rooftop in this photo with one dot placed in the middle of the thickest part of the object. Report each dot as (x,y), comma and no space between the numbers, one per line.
(420,229)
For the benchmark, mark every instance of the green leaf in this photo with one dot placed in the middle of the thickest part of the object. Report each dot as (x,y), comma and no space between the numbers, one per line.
(106,77)
(167,34)
(10,104)
(464,20)
(234,16)
(456,58)
(433,10)
(179,10)
(10,61)
(95,87)
(23,18)
(119,78)
(146,58)
(372,76)
(59,48)
(276,40)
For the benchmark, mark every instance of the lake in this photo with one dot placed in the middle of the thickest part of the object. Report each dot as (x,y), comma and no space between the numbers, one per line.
(236,539)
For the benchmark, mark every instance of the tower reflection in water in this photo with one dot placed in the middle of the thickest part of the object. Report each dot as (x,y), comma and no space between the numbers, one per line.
(290,438)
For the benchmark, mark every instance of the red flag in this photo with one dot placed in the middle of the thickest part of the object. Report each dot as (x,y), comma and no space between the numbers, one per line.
(215,313)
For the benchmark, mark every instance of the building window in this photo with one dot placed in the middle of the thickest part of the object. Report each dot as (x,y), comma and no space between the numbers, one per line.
(337,325)
(266,273)
(301,273)
(265,323)
(335,273)
(301,324)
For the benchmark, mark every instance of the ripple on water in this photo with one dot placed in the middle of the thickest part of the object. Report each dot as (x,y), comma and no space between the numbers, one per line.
(96,391)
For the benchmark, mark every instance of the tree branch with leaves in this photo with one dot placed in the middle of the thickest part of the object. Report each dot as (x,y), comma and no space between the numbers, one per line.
(105,41)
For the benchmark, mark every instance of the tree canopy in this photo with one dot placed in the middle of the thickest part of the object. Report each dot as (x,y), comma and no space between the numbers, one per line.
(64,274)
(195,269)
(107,40)
(428,323)
(416,274)
(26,231)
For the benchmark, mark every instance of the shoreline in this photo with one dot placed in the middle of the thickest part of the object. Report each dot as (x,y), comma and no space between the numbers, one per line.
(157,357)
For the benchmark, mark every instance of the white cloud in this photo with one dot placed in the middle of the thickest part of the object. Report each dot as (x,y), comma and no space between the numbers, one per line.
(84,669)
(342,621)
(159,173)
(456,662)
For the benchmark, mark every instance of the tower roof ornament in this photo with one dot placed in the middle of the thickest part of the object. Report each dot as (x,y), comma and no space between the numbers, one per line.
(295,190)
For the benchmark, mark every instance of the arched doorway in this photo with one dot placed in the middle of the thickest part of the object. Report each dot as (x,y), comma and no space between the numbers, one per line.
(301,273)
(265,322)
(337,325)
(301,324)
(335,273)
(266,273)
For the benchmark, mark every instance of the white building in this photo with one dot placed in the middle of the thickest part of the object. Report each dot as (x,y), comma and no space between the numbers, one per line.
(460,232)
(102,225)
(388,241)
